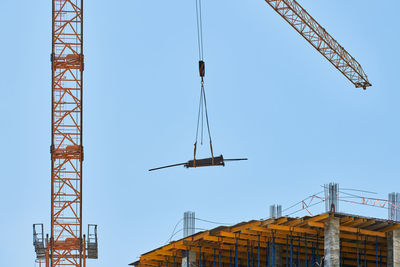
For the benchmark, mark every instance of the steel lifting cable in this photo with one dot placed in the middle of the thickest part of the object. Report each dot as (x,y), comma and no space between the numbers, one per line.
(202,112)
(203,102)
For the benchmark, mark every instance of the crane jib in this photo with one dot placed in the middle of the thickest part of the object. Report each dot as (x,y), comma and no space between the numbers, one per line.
(321,40)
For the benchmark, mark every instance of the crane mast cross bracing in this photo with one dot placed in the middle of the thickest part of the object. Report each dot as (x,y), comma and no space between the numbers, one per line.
(321,40)
(66,244)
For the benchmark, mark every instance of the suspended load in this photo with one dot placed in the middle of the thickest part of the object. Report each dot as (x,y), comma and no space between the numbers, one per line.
(216,161)
(202,116)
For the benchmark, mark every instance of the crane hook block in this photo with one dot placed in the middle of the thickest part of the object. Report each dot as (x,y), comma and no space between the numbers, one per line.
(202,68)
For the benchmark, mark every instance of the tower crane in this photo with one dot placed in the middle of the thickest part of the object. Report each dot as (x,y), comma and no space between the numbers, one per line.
(66,246)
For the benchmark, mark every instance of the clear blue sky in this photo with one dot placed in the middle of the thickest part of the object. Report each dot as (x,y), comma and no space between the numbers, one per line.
(271,96)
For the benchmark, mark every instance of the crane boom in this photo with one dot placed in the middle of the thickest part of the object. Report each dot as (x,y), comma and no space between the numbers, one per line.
(321,40)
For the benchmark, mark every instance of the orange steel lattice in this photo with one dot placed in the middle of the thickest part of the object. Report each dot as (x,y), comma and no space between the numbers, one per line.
(316,35)
(66,246)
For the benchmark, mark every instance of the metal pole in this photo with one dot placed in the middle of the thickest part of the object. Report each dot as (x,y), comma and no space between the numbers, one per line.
(377,257)
(365,252)
(219,254)
(318,248)
(248,254)
(312,254)
(298,252)
(273,249)
(305,250)
(214,257)
(252,256)
(291,249)
(287,251)
(200,256)
(358,256)
(259,263)
(236,254)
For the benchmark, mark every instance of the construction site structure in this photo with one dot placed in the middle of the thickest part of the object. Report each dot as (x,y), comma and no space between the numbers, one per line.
(66,246)
(328,239)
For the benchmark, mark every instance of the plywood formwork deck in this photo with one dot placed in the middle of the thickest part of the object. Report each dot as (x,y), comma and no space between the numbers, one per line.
(362,240)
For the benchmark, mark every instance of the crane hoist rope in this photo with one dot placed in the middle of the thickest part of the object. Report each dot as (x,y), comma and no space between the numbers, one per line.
(202,112)
(202,116)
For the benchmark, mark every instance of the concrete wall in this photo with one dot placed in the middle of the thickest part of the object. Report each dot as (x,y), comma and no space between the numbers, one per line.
(191,256)
(393,248)
(278,256)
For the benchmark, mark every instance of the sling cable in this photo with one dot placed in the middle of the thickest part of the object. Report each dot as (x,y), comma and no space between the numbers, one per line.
(202,116)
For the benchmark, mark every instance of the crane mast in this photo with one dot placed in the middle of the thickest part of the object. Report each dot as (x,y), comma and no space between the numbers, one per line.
(66,241)
(316,35)
(66,245)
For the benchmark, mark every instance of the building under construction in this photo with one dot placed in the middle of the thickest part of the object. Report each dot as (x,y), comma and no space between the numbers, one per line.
(328,239)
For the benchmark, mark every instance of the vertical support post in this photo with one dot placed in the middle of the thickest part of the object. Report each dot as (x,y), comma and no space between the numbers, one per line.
(236,254)
(214,258)
(377,253)
(313,254)
(199,256)
(248,260)
(173,261)
(273,249)
(287,251)
(305,251)
(252,256)
(267,256)
(291,249)
(259,263)
(298,252)
(230,257)
(219,254)
(358,254)
(341,253)
(318,248)
(332,242)
(365,251)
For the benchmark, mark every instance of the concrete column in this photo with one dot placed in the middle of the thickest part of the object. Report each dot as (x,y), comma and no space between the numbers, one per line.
(278,256)
(393,248)
(189,259)
(332,243)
